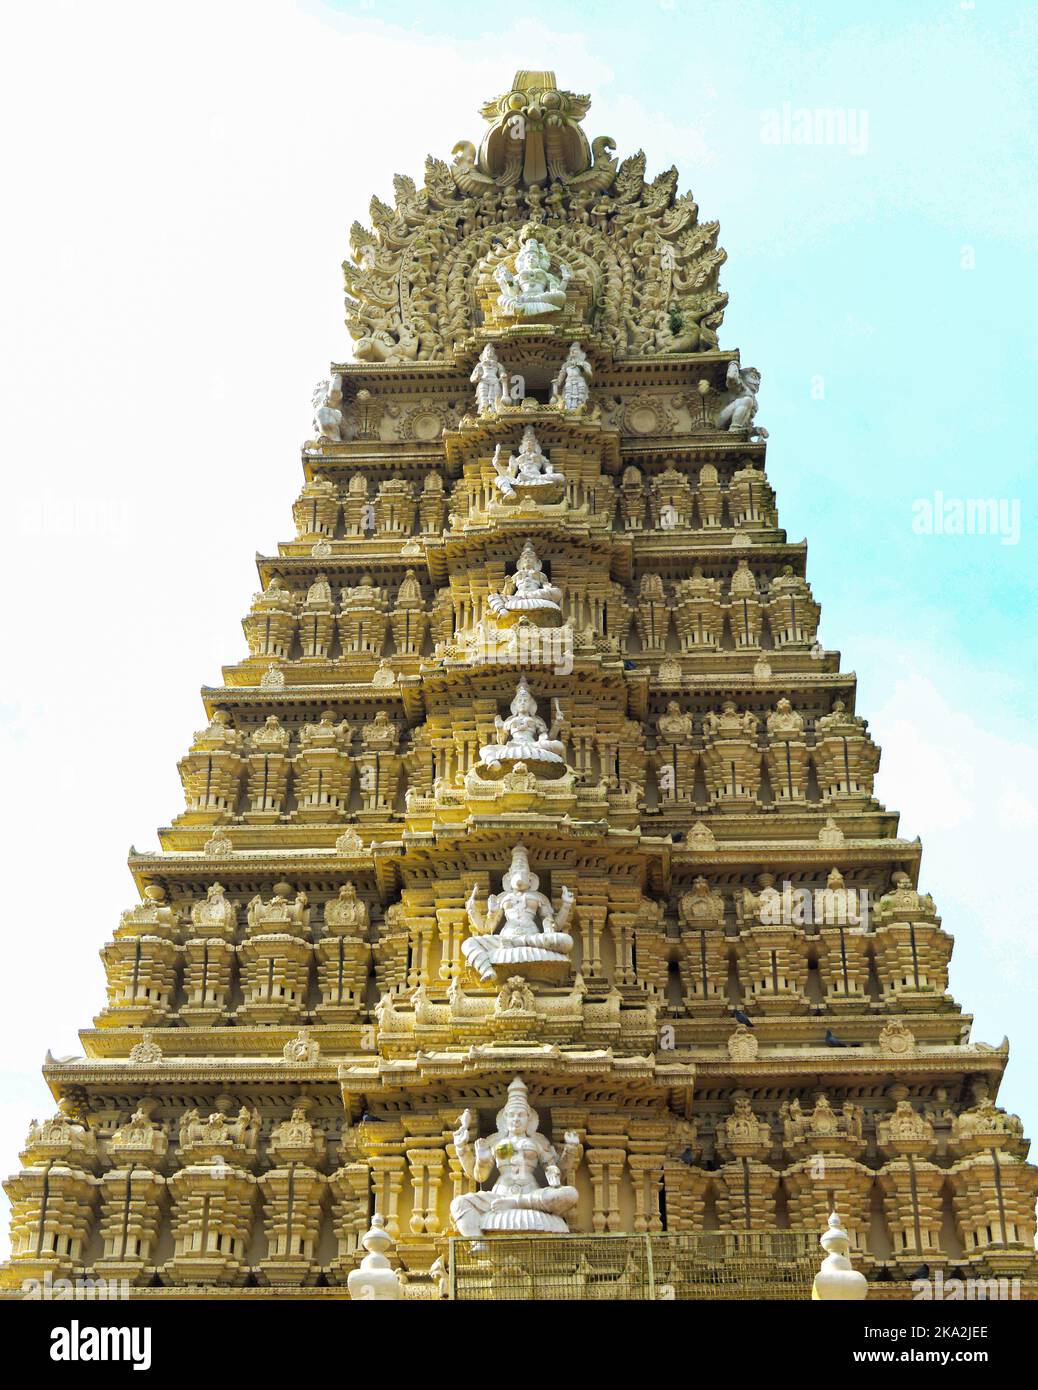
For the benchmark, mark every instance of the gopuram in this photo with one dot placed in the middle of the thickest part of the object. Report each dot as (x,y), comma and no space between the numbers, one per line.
(530,889)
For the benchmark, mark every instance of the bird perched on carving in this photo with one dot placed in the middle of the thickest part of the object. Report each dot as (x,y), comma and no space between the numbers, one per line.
(740,1017)
(831,1040)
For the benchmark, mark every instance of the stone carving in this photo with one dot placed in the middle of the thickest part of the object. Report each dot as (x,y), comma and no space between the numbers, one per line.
(905,1131)
(520,930)
(527,473)
(896,1038)
(534,135)
(673,726)
(218,845)
(570,386)
(347,913)
(647,266)
(529,286)
(328,409)
(517,1201)
(349,842)
(490,380)
(742,1044)
(528,595)
(515,997)
(301,1049)
(146,1052)
(739,413)
(526,739)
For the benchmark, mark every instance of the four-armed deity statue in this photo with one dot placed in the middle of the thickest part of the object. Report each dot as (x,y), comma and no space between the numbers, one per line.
(528,594)
(517,1202)
(528,473)
(532,287)
(520,930)
(525,738)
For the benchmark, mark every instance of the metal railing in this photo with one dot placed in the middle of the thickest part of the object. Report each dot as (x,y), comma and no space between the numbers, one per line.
(707,1265)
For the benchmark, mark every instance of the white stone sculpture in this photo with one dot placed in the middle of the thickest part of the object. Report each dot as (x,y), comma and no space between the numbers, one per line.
(838,1281)
(517,1201)
(570,386)
(375,1280)
(490,380)
(528,473)
(534,288)
(739,413)
(327,402)
(528,594)
(520,930)
(526,738)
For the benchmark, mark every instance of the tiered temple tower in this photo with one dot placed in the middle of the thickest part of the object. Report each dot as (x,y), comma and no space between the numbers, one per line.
(536,797)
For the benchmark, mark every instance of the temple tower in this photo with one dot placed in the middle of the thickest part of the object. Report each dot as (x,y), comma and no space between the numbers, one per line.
(535,809)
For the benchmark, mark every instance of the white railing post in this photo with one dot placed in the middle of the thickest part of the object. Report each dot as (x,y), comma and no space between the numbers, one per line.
(838,1280)
(376,1279)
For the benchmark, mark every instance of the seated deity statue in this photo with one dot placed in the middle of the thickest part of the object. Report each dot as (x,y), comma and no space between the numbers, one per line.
(570,385)
(490,380)
(533,288)
(528,473)
(528,594)
(526,738)
(739,413)
(517,1201)
(520,932)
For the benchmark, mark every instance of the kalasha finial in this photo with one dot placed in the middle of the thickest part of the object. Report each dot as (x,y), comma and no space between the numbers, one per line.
(838,1280)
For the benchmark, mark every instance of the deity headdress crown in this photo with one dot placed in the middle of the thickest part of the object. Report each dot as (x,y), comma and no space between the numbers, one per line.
(520,865)
(524,703)
(518,1098)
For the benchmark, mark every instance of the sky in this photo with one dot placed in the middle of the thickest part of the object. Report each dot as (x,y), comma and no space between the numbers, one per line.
(180,181)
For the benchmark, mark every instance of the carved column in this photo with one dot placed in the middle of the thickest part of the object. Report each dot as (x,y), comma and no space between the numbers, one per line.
(133,1198)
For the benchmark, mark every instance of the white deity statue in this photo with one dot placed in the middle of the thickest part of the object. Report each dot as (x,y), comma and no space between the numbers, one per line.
(327,402)
(526,738)
(520,930)
(490,380)
(739,413)
(517,1201)
(533,288)
(528,594)
(570,385)
(528,473)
